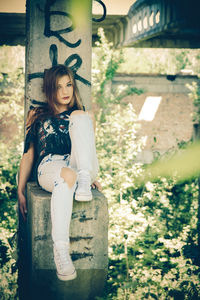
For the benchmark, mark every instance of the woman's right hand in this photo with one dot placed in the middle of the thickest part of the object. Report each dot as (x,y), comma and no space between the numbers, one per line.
(22,204)
(24,173)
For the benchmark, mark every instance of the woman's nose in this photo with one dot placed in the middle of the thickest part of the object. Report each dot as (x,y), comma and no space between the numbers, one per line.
(64,90)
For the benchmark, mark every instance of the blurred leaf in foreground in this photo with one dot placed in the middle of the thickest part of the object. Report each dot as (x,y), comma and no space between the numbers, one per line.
(184,164)
(81,12)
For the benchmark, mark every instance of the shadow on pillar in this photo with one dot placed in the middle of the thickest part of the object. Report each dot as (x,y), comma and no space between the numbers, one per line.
(89,249)
(23,265)
(196,137)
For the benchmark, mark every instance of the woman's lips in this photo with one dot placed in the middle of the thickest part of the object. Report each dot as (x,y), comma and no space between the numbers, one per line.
(66,98)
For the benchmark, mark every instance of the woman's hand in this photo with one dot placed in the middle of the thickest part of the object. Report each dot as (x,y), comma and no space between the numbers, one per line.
(22,204)
(23,176)
(97,185)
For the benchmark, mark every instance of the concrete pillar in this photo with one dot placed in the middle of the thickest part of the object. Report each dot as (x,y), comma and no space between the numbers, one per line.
(53,37)
(88,239)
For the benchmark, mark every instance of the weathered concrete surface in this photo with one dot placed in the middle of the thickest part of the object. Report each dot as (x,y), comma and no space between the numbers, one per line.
(53,37)
(171,124)
(89,247)
(51,288)
(156,83)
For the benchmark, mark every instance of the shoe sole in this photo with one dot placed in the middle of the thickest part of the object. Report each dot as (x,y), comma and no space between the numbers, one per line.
(83,198)
(67,277)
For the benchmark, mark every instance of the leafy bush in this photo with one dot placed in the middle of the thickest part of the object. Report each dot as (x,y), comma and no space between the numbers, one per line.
(153,251)
(195,96)
(11,115)
(8,228)
(150,226)
(160,60)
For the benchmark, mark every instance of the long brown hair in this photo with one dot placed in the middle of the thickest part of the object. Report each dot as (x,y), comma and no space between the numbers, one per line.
(50,82)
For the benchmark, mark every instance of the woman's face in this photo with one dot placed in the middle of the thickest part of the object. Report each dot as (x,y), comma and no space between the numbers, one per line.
(64,92)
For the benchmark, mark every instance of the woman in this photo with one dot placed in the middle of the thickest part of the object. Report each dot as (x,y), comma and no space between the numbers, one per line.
(60,155)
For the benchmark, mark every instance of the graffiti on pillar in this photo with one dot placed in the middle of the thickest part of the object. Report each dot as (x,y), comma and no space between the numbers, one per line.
(57,33)
(104,12)
(74,61)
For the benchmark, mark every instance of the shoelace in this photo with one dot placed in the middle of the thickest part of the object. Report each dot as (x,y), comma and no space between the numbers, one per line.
(62,258)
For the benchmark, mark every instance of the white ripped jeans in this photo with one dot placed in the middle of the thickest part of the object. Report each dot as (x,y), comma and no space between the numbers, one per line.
(83,157)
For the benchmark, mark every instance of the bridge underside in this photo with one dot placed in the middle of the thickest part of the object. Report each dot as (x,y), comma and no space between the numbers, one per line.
(156,24)
(149,24)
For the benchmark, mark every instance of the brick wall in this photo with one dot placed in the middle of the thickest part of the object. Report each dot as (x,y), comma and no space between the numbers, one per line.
(172,122)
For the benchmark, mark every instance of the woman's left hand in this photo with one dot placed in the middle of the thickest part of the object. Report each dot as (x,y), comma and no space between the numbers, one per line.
(97,185)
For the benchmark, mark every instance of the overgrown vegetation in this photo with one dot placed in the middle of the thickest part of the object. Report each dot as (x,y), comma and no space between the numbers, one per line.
(195,97)
(11,116)
(160,61)
(153,250)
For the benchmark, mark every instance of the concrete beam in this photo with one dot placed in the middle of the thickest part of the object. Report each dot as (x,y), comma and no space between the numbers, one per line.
(156,23)
(149,24)
(12,29)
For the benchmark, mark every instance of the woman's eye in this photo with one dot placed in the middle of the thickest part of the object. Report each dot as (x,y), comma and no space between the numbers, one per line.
(69,84)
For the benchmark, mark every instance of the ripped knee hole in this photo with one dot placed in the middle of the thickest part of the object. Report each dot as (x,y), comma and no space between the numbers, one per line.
(69,176)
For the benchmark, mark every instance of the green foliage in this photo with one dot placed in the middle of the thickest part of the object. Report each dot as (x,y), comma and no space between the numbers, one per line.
(105,64)
(153,249)
(195,97)
(8,221)
(118,154)
(12,58)
(182,60)
(8,271)
(11,116)
(149,226)
(11,105)
(161,61)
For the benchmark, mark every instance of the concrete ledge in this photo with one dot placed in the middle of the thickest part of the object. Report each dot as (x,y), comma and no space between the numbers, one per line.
(89,247)
(155,83)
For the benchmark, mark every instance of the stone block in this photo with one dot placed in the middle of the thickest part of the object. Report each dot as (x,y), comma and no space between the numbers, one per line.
(89,247)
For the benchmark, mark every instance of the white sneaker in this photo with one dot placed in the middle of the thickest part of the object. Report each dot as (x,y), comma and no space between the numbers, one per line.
(83,192)
(64,265)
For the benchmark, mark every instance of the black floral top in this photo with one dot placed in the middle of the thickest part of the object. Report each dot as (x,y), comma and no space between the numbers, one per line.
(49,136)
